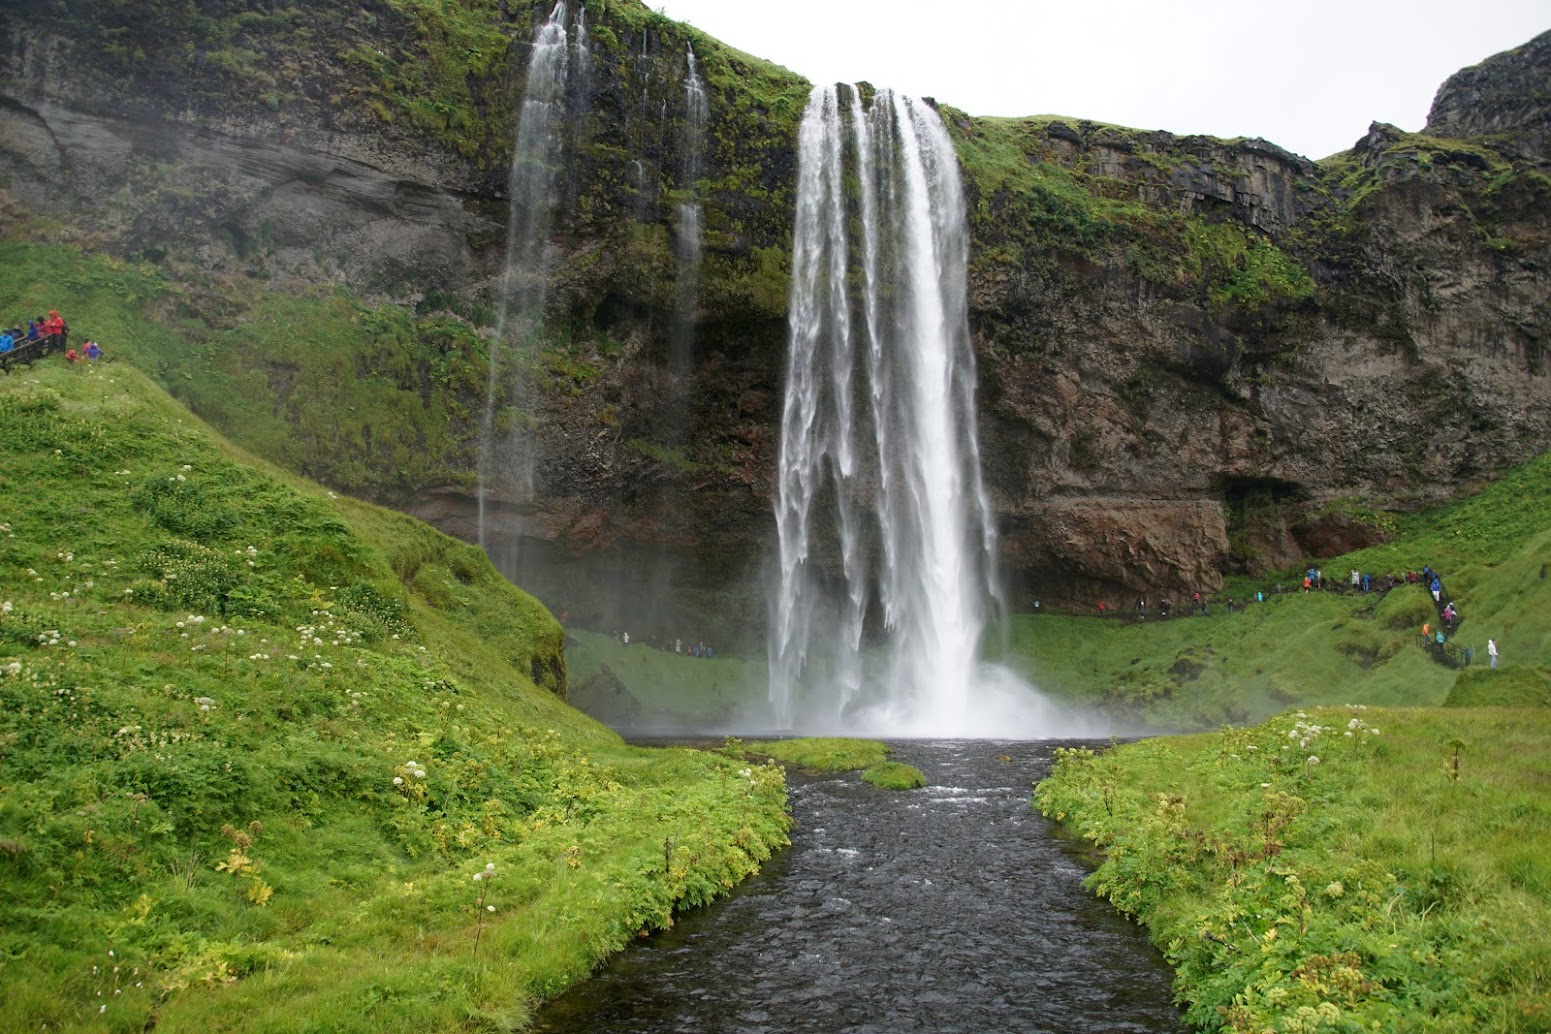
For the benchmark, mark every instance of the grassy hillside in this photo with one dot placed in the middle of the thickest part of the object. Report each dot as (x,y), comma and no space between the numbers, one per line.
(1493,550)
(1340,869)
(256,741)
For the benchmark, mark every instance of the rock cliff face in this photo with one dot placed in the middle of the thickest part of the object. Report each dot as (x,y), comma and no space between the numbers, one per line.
(1196,356)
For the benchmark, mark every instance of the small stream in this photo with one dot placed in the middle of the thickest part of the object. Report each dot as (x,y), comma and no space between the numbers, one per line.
(953,908)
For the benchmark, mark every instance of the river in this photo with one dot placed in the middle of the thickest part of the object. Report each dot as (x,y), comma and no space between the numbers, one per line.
(952,908)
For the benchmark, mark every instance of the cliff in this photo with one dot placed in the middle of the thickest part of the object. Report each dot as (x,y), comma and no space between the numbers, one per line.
(1196,356)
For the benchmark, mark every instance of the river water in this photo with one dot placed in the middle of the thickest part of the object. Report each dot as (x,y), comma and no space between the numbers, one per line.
(953,908)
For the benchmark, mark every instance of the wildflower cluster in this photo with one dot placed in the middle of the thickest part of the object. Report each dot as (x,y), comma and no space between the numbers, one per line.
(412,772)
(1358,727)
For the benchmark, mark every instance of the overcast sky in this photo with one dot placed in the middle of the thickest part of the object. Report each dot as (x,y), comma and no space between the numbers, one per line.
(1307,75)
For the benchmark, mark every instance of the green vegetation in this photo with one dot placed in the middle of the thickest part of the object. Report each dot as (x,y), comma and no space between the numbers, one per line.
(894,775)
(1322,648)
(1338,869)
(823,754)
(660,688)
(258,741)
(1031,208)
(374,400)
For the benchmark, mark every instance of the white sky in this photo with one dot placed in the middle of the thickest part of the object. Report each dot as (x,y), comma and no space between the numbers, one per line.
(1306,74)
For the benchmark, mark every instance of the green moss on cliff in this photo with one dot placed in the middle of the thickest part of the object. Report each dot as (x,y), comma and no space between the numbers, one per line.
(1055,215)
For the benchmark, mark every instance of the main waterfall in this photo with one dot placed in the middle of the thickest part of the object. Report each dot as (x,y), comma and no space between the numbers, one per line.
(879,454)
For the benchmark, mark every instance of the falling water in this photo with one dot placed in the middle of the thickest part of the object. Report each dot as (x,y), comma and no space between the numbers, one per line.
(690,231)
(506,459)
(878,442)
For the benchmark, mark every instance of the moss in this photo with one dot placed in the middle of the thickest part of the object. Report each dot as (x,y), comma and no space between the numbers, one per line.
(664,454)
(1033,204)
(894,775)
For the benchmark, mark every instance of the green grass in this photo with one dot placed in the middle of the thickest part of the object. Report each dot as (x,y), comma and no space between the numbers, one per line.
(665,689)
(1300,878)
(894,775)
(822,753)
(1323,648)
(373,400)
(1336,869)
(218,687)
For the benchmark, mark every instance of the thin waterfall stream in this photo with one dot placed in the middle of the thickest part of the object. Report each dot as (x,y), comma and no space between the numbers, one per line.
(553,91)
(952,908)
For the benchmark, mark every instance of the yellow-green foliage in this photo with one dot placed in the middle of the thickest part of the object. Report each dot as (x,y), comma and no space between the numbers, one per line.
(822,754)
(255,741)
(1339,869)
(894,775)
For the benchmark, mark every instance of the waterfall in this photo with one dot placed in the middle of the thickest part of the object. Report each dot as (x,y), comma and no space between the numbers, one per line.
(879,454)
(506,455)
(690,230)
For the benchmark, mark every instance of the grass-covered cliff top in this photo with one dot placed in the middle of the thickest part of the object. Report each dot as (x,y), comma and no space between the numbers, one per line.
(256,741)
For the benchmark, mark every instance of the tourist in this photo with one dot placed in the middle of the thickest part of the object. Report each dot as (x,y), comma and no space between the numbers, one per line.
(93,351)
(1437,589)
(55,328)
(1491,651)
(72,356)
(1427,630)
(7,342)
(1449,613)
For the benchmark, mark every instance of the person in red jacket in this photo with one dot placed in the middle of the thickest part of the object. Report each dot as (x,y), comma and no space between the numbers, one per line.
(53,332)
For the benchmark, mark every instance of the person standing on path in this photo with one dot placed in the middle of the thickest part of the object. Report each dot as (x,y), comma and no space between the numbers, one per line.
(1491,651)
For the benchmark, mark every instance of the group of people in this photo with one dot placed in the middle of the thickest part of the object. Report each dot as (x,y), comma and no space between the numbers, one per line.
(44,335)
(52,330)
(1436,636)
(697,649)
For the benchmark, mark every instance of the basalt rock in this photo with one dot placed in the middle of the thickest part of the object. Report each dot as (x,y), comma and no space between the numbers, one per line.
(1196,356)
